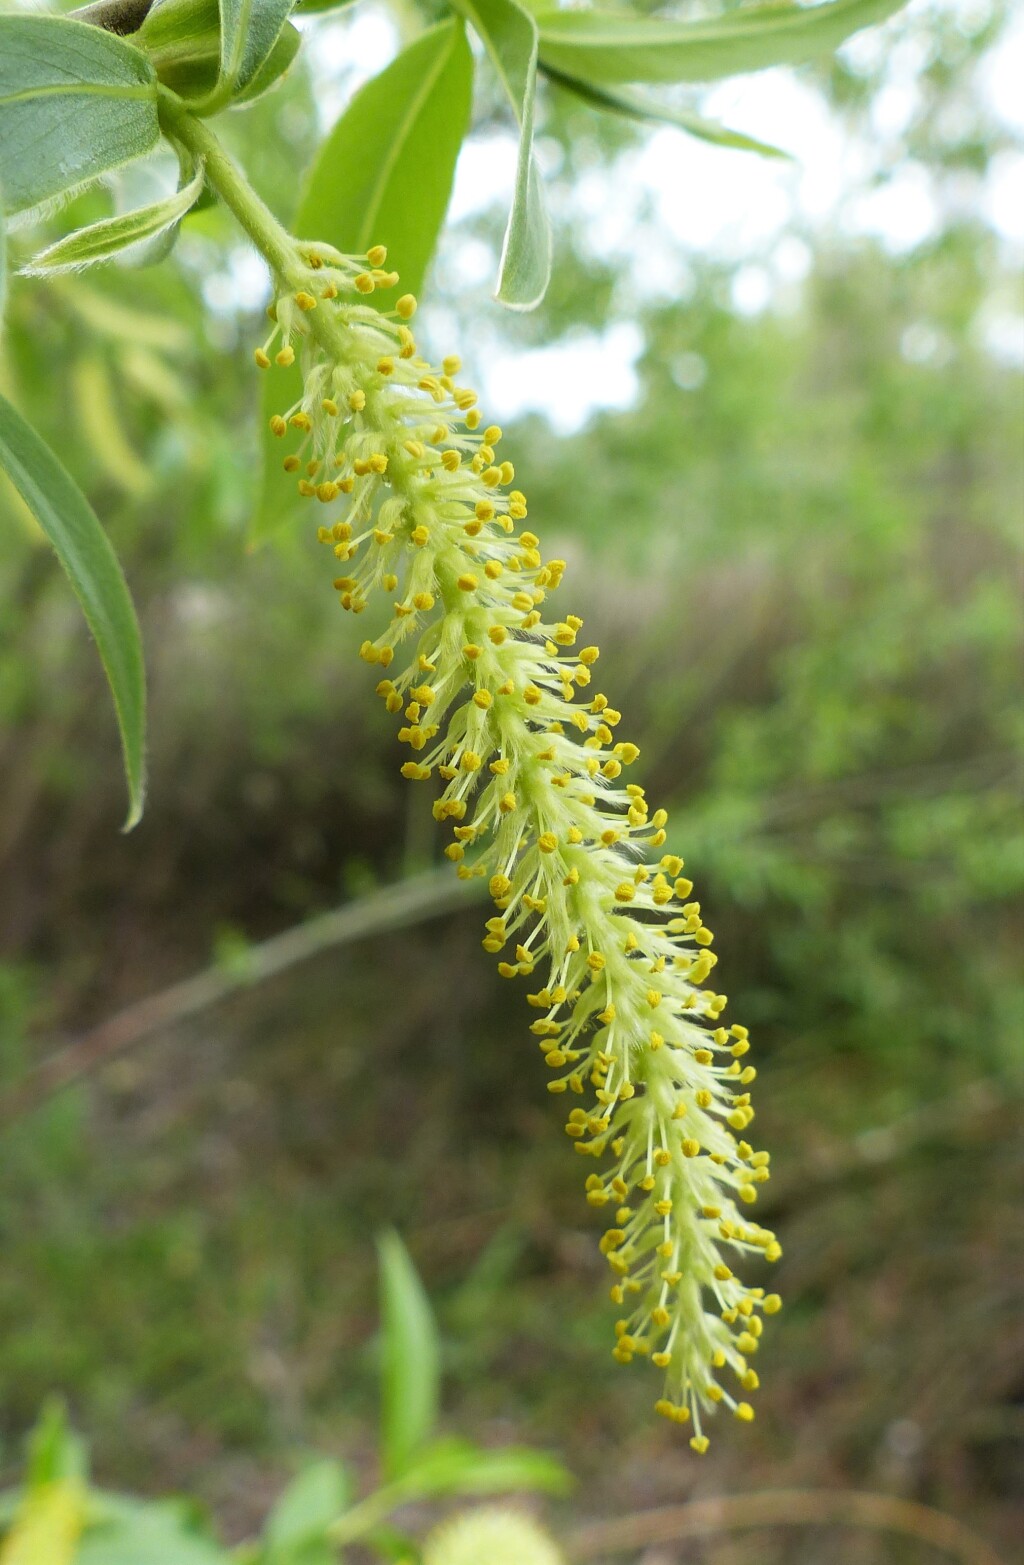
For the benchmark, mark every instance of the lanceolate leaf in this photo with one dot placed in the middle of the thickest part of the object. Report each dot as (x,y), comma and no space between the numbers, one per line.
(74,102)
(71,525)
(410,1368)
(102,240)
(510,35)
(638,106)
(383,176)
(249,31)
(611,47)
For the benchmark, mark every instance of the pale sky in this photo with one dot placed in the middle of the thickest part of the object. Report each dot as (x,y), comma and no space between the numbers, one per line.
(673,197)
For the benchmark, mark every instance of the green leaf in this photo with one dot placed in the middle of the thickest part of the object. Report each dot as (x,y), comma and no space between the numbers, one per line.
(311,1502)
(618,46)
(313,7)
(509,34)
(249,31)
(410,1368)
(273,67)
(634,105)
(457,1467)
(74,102)
(48,1525)
(102,240)
(55,1452)
(182,38)
(384,173)
(382,176)
(162,1533)
(71,525)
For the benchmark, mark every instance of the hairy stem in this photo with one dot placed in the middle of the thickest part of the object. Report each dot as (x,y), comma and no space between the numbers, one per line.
(277,246)
(224,176)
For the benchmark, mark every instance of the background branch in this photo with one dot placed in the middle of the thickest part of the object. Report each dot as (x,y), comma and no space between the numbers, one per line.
(783,1508)
(394,907)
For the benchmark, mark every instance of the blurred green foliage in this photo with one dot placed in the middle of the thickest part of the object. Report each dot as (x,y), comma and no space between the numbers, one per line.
(800,552)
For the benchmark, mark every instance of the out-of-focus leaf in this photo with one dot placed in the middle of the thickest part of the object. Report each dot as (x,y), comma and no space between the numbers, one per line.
(108,316)
(163,1533)
(410,1359)
(151,375)
(394,1545)
(74,102)
(382,176)
(457,1467)
(99,421)
(48,1525)
(510,35)
(638,106)
(619,46)
(71,525)
(249,31)
(102,240)
(303,1513)
(55,1452)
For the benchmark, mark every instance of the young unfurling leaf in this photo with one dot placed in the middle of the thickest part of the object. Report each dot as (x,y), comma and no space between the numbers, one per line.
(100,241)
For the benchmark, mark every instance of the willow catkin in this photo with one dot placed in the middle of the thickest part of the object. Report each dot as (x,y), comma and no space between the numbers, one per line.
(496,701)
